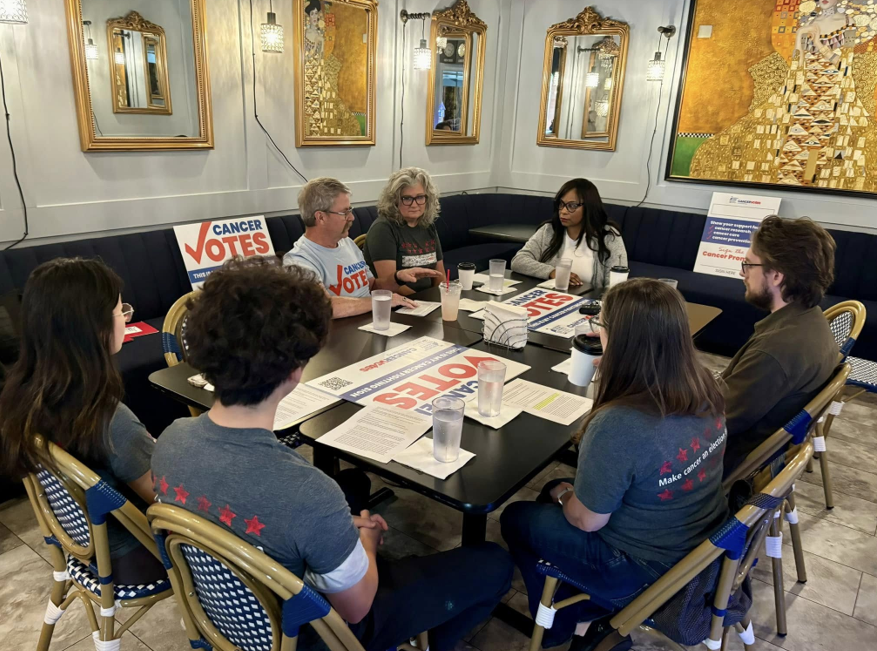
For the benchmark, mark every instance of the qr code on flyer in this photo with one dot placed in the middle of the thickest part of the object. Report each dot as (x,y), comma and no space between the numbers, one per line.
(335,383)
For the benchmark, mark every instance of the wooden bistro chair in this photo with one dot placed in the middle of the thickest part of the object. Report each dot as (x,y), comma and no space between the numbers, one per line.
(236,598)
(71,505)
(723,561)
(173,335)
(846,321)
(767,460)
(360,241)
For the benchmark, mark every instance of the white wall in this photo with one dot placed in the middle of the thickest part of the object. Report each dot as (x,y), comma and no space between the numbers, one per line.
(621,175)
(74,194)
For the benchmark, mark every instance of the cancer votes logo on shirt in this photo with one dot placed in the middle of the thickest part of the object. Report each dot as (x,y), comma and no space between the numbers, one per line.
(693,463)
(350,278)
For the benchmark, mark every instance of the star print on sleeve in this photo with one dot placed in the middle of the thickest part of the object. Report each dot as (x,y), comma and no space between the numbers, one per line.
(695,444)
(667,468)
(666,495)
(226,515)
(182,494)
(203,504)
(688,485)
(702,474)
(163,486)
(683,455)
(254,526)
(719,424)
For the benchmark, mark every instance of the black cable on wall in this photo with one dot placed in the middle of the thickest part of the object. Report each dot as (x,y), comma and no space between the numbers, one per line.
(14,162)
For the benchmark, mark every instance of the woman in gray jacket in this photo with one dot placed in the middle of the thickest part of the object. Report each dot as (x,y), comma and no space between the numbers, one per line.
(581,231)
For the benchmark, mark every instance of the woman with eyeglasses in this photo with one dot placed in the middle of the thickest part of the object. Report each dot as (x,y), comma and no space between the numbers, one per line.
(65,386)
(404,235)
(648,486)
(580,230)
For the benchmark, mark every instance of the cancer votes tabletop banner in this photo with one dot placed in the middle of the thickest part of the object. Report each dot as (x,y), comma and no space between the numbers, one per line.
(207,245)
(413,375)
(730,222)
(550,312)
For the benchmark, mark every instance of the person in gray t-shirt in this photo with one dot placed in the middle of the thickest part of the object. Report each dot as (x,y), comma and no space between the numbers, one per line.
(227,466)
(404,236)
(648,488)
(65,386)
(326,251)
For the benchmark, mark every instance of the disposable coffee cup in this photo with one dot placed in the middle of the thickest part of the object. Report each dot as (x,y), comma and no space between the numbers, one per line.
(584,351)
(466,273)
(618,275)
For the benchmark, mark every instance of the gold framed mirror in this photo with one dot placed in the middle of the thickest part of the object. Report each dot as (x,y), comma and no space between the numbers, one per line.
(138,66)
(124,78)
(582,82)
(456,77)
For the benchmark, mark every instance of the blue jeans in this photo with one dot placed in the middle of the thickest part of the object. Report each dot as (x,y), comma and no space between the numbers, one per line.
(539,531)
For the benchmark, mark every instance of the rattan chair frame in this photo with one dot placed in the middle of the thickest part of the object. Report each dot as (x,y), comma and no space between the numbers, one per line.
(266,578)
(77,478)
(173,322)
(359,240)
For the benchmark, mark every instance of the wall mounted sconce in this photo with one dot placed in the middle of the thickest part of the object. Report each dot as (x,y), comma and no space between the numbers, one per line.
(90,48)
(422,54)
(592,79)
(13,12)
(657,66)
(272,33)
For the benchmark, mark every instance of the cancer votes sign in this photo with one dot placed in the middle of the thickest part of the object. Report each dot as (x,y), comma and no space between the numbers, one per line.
(550,312)
(207,245)
(412,375)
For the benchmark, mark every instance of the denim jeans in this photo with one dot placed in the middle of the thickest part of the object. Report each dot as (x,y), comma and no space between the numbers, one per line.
(539,531)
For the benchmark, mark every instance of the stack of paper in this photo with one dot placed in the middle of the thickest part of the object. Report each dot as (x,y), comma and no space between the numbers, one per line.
(378,432)
(423,308)
(545,402)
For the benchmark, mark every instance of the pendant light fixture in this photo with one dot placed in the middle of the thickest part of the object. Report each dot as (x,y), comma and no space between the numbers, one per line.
(422,54)
(91,52)
(13,12)
(657,65)
(272,33)
(592,79)
(119,57)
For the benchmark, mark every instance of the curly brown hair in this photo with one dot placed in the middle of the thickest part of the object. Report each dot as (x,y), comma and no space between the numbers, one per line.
(802,251)
(253,324)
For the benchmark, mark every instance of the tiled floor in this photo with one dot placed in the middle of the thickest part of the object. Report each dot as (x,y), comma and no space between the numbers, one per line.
(835,610)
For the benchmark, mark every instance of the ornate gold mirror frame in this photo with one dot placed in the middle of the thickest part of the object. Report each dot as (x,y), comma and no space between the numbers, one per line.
(458,22)
(88,137)
(334,106)
(588,22)
(150,33)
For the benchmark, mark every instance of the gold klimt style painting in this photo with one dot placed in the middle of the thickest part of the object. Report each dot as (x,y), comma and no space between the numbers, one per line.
(779,92)
(336,42)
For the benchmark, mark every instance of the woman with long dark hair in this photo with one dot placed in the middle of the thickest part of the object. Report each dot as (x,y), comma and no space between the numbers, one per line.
(579,230)
(65,386)
(648,487)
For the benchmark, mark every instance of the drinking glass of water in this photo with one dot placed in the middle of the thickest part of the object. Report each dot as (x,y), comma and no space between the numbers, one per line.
(561,274)
(447,428)
(382,302)
(497,275)
(491,377)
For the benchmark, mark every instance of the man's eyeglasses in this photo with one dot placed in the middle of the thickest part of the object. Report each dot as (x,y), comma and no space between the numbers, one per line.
(127,312)
(571,206)
(596,324)
(408,201)
(342,213)
(744,264)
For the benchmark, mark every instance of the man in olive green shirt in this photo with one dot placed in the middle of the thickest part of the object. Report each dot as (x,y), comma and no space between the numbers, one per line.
(792,353)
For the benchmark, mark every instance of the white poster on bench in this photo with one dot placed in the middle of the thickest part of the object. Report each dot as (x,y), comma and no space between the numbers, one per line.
(206,246)
(731,220)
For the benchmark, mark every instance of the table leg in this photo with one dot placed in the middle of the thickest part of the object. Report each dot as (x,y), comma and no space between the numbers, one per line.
(326,461)
(380,495)
(474,528)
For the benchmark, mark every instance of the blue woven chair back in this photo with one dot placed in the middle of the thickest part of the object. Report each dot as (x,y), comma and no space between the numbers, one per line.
(69,514)
(231,606)
(841,327)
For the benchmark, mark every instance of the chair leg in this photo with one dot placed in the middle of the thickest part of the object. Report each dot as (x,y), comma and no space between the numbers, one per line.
(795,534)
(779,591)
(745,632)
(53,612)
(547,598)
(725,636)
(810,464)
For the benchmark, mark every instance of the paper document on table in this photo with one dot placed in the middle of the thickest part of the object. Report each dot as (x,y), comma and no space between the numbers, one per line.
(470,305)
(423,308)
(484,279)
(545,402)
(378,432)
(564,367)
(419,456)
(302,402)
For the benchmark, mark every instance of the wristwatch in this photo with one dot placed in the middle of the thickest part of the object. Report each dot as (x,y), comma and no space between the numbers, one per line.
(562,493)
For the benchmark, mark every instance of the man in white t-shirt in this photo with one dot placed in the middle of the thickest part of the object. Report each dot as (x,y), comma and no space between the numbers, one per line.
(327,251)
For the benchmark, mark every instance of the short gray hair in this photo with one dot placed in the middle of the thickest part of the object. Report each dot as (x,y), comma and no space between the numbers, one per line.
(319,194)
(388,203)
